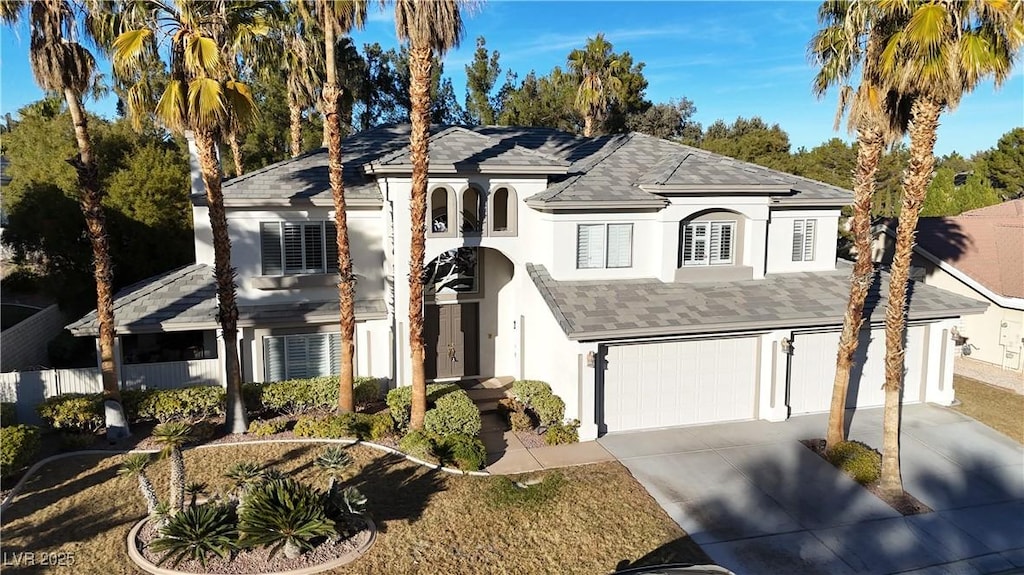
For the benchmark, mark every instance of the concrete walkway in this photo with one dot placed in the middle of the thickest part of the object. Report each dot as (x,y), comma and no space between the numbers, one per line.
(759,502)
(506,454)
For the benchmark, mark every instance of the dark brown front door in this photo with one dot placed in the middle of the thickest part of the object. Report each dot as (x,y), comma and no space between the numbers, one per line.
(451,337)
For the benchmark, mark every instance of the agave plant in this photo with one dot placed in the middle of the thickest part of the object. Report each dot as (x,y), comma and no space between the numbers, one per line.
(135,464)
(197,533)
(284,514)
(172,436)
(354,500)
(335,463)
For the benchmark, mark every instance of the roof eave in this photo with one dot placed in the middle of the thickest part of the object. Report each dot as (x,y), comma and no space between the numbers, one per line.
(326,201)
(577,205)
(717,189)
(812,202)
(402,169)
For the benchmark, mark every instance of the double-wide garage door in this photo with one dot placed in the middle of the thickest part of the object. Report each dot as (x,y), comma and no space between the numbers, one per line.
(813,370)
(664,384)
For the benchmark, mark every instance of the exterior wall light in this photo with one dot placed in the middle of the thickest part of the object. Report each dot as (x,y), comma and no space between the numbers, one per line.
(591,359)
(787,346)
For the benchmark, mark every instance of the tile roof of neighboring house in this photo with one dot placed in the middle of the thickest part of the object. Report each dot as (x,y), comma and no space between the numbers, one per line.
(985,244)
(612,168)
(186,299)
(591,310)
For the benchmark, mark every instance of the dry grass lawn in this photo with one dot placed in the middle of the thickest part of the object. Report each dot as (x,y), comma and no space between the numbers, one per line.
(998,408)
(429,522)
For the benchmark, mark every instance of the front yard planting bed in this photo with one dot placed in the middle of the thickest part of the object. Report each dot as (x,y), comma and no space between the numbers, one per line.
(589,519)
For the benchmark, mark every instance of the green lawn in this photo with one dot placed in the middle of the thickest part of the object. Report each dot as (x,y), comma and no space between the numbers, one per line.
(430,522)
(998,408)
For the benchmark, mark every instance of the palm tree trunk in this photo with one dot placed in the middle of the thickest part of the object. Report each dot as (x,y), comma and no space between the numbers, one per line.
(869,152)
(148,493)
(346,282)
(295,125)
(177,496)
(236,152)
(91,201)
(420,63)
(925,113)
(588,125)
(227,312)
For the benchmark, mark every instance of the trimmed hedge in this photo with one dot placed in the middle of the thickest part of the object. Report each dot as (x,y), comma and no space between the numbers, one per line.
(466,452)
(857,460)
(453,413)
(399,400)
(297,396)
(417,444)
(355,425)
(263,428)
(186,403)
(527,390)
(366,390)
(560,433)
(550,409)
(19,445)
(8,414)
(73,411)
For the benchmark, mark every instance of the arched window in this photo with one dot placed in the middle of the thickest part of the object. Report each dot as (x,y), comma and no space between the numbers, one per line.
(710,239)
(440,208)
(471,211)
(503,212)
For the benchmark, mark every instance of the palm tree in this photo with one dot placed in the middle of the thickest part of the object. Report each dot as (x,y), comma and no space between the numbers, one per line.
(942,52)
(340,18)
(846,42)
(300,56)
(431,27)
(172,436)
(597,73)
(135,464)
(201,97)
(62,65)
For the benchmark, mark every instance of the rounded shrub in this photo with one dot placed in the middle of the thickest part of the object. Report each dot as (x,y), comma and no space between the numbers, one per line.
(73,411)
(8,414)
(399,400)
(550,409)
(186,403)
(417,444)
(453,413)
(466,452)
(381,426)
(346,425)
(857,460)
(295,396)
(525,391)
(520,421)
(19,445)
(263,428)
(561,433)
(366,390)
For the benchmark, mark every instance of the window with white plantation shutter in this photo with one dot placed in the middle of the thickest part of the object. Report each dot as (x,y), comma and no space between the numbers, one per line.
(589,246)
(803,240)
(620,245)
(301,356)
(707,243)
(298,248)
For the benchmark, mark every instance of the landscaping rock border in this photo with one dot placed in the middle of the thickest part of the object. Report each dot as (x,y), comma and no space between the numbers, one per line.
(142,563)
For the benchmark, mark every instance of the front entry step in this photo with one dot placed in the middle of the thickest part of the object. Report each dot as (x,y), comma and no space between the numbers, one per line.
(486,393)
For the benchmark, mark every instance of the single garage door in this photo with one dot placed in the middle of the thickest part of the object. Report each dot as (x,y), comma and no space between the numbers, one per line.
(813,369)
(679,383)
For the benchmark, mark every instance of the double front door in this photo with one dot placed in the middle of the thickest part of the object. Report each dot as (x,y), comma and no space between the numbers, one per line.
(451,337)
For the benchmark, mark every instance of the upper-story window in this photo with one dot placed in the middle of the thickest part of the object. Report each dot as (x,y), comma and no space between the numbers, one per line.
(472,211)
(298,248)
(502,215)
(441,210)
(707,243)
(803,240)
(604,246)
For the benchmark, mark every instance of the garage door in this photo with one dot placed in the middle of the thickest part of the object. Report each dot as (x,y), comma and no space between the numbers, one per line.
(813,371)
(678,383)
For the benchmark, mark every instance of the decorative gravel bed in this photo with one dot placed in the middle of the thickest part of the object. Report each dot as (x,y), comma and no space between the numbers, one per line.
(254,561)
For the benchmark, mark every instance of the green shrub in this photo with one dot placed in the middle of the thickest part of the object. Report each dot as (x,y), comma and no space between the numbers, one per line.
(417,444)
(196,533)
(366,390)
(525,391)
(560,433)
(252,397)
(130,401)
(520,421)
(381,426)
(73,411)
(399,400)
(509,405)
(550,409)
(204,430)
(284,514)
(73,441)
(295,396)
(858,460)
(505,492)
(453,413)
(346,425)
(466,452)
(186,403)
(263,428)
(8,414)
(19,445)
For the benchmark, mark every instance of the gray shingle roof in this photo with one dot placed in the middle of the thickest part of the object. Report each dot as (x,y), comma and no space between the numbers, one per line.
(593,310)
(186,299)
(458,146)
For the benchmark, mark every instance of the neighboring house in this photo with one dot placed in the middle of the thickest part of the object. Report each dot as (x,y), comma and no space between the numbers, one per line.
(978,254)
(652,284)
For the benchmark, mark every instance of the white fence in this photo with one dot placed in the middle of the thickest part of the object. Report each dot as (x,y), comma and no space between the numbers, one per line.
(27,389)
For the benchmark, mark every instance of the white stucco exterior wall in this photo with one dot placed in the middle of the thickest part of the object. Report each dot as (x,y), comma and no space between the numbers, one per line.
(780,240)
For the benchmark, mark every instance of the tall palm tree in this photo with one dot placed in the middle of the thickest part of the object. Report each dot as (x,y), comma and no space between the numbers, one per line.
(340,18)
(597,72)
(300,56)
(847,42)
(942,52)
(200,97)
(61,65)
(431,27)
(171,437)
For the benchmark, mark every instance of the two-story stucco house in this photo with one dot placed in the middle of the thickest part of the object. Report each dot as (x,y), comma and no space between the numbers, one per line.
(650,283)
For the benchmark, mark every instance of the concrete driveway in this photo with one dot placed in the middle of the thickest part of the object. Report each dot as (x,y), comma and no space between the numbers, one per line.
(759,502)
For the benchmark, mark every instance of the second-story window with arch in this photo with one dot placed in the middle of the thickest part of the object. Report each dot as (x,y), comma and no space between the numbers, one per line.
(502,215)
(440,209)
(472,211)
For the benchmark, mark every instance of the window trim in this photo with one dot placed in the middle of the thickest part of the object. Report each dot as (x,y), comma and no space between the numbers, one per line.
(333,360)
(330,265)
(605,245)
(511,213)
(481,211)
(451,210)
(710,225)
(805,251)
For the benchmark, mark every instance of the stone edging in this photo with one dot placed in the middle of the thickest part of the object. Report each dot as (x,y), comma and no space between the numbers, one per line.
(37,465)
(148,567)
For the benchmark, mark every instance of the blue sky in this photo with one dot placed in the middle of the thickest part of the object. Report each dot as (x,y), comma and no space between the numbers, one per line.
(731,58)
